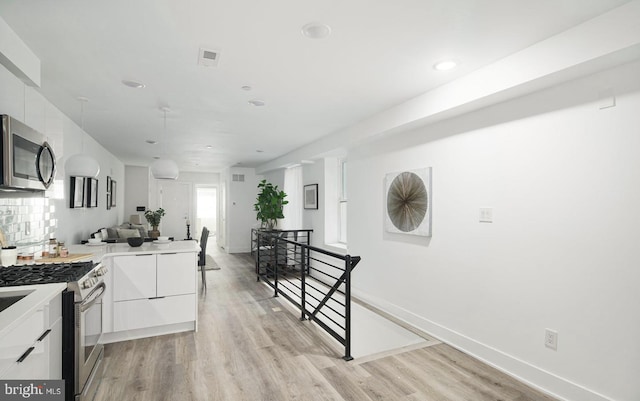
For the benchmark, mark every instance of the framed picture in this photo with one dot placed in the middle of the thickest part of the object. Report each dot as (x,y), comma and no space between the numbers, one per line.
(311,196)
(76,192)
(108,184)
(91,193)
(108,201)
(408,202)
(113,193)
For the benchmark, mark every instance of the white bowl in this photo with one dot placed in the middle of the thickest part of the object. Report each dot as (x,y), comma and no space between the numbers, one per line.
(95,240)
(163,239)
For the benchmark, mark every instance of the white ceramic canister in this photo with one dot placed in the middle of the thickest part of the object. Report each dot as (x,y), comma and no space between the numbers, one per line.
(9,256)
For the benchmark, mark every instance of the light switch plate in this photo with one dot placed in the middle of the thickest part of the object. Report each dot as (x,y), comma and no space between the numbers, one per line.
(486,215)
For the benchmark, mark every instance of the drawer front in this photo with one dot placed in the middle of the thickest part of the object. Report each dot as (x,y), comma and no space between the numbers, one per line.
(33,367)
(142,313)
(176,274)
(18,340)
(134,277)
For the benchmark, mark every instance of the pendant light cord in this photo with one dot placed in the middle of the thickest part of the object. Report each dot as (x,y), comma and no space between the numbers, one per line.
(164,145)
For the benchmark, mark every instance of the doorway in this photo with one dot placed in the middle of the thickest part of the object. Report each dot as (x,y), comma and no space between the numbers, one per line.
(175,198)
(206,210)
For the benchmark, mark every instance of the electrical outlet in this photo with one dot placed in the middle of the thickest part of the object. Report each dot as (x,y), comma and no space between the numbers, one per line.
(551,339)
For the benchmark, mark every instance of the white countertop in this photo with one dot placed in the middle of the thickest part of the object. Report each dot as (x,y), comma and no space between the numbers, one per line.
(99,252)
(43,293)
(39,295)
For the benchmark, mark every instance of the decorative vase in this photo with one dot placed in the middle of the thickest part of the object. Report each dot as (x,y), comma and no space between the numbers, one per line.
(154,233)
(270,225)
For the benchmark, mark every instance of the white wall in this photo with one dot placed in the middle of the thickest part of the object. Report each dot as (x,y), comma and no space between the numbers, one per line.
(240,216)
(314,174)
(75,225)
(562,178)
(142,189)
(26,104)
(276,177)
(136,190)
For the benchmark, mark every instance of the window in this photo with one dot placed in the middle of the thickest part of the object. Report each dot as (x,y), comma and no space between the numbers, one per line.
(342,201)
(293,189)
(334,193)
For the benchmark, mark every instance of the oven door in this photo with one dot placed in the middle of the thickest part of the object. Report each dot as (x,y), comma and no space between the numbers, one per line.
(89,347)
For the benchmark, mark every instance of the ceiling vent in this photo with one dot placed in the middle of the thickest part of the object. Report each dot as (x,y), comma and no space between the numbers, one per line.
(208,57)
(238,178)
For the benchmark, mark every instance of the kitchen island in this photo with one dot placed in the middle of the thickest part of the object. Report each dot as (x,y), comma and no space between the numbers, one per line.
(151,289)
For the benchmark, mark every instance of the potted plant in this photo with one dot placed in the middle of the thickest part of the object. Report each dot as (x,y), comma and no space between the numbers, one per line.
(153,218)
(269,204)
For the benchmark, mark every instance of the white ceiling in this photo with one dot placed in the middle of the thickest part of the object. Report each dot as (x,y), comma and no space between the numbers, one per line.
(380,53)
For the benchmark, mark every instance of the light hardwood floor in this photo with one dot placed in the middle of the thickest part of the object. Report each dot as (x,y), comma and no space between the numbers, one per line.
(248,347)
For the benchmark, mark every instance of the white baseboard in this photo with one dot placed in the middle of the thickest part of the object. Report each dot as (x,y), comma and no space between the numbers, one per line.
(148,332)
(523,371)
(238,250)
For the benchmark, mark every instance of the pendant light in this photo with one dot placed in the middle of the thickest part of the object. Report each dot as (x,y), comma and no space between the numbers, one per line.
(81,164)
(162,168)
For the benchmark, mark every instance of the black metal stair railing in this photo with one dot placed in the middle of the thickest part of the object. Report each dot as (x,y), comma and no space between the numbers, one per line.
(316,281)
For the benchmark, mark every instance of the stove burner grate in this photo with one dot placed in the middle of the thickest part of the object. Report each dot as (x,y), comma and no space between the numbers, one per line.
(43,273)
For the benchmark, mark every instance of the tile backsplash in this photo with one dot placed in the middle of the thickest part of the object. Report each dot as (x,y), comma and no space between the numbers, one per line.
(27,223)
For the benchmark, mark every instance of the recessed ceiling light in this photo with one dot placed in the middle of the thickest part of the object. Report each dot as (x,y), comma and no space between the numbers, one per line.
(133,84)
(246,88)
(445,65)
(151,142)
(257,102)
(316,30)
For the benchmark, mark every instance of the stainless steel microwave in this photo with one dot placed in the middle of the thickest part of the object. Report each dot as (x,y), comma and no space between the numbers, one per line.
(28,162)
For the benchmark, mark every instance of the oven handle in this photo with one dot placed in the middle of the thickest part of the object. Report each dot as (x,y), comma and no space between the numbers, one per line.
(89,301)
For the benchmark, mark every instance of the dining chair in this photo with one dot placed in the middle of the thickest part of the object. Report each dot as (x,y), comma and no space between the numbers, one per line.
(202,256)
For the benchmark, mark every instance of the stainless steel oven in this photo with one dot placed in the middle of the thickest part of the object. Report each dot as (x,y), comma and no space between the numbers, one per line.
(83,350)
(89,347)
(28,162)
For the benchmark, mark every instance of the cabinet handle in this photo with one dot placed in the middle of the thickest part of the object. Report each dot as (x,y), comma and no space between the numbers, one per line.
(26,354)
(168,253)
(156,298)
(143,254)
(46,333)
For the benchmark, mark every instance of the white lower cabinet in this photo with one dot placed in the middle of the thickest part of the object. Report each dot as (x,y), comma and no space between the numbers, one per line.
(142,313)
(176,274)
(134,277)
(153,290)
(33,350)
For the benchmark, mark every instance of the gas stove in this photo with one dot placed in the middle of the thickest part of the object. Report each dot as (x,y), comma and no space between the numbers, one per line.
(44,273)
(81,277)
(82,349)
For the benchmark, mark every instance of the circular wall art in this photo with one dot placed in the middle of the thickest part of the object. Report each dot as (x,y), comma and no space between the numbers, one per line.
(408,208)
